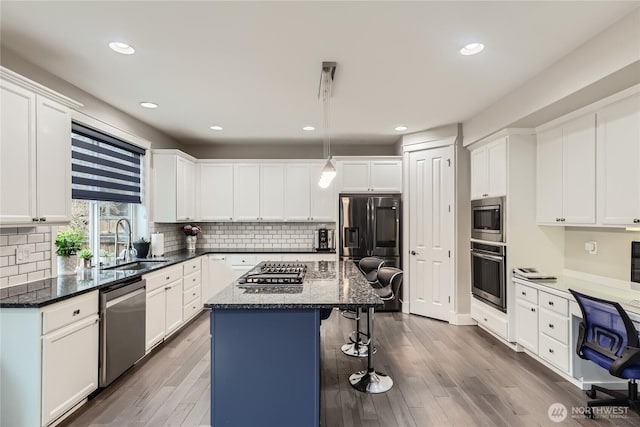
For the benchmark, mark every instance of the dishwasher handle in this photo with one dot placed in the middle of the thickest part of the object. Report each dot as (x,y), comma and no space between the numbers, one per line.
(116,291)
(124,297)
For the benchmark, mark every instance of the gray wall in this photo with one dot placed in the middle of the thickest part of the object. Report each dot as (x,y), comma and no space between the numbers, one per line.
(93,106)
(283,151)
(614,251)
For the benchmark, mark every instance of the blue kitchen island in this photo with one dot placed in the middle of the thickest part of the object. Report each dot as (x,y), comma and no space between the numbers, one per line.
(265,345)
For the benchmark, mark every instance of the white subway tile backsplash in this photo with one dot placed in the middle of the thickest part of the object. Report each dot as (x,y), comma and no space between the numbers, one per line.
(9,271)
(38,241)
(15,280)
(17,239)
(35,238)
(8,250)
(27,268)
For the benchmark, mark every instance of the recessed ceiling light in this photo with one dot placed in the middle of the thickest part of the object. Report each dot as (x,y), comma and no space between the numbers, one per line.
(148,105)
(401,128)
(216,127)
(308,128)
(472,49)
(122,48)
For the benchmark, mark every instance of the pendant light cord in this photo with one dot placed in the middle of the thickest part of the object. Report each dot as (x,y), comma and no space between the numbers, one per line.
(326,93)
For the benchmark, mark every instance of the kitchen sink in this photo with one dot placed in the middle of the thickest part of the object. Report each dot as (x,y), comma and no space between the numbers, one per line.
(137,265)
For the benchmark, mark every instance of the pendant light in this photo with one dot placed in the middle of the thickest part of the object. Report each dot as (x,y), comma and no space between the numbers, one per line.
(326,80)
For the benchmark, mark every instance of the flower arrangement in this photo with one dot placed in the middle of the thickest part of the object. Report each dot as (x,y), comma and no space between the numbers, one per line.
(191,230)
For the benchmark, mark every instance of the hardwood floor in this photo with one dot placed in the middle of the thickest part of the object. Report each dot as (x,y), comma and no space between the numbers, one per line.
(443,375)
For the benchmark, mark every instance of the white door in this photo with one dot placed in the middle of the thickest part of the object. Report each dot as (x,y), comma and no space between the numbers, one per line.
(173,306)
(271,192)
(527,325)
(579,171)
(296,195)
(549,176)
(54,161)
(216,192)
(479,173)
(619,162)
(219,276)
(431,231)
(17,154)
(354,175)
(155,317)
(246,192)
(386,175)
(497,173)
(185,189)
(324,202)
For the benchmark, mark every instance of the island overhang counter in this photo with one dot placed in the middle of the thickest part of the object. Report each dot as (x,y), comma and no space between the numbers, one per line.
(265,344)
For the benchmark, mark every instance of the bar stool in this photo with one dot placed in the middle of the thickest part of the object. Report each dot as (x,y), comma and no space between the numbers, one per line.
(370,381)
(356,347)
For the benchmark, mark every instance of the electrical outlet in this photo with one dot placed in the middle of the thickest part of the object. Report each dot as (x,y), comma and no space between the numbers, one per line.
(23,254)
(591,247)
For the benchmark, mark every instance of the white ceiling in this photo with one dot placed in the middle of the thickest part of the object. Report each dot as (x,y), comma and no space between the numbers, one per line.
(254,67)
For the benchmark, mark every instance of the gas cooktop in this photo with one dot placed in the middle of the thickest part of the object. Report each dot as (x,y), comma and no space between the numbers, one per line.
(269,273)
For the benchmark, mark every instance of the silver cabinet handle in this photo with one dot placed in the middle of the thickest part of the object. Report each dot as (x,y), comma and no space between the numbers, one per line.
(636,221)
(551,350)
(35,219)
(524,293)
(551,325)
(551,303)
(533,309)
(76,312)
(167,288)
(43,219)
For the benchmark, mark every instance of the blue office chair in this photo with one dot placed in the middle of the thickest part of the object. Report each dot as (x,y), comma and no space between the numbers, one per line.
(608,338)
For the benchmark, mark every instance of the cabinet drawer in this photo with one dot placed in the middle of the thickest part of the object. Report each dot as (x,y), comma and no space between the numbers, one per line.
(489,320)
(163,277)
(191,266)
(554,325)
(243,260)
(526,293)
(193,279)
(66,312)
(554,352)
(191,309)
(192,294)
(554,303)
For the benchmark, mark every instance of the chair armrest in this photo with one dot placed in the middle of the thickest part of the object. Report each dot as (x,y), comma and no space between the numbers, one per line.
(630,356)
(580,341)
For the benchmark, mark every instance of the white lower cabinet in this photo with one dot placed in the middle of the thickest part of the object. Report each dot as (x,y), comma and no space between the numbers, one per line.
(164,304)
(155,318)
(219,276)
(192,285)
(173,306)
(527,325)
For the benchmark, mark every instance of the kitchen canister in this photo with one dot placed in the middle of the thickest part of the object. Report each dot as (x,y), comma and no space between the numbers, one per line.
(157,244)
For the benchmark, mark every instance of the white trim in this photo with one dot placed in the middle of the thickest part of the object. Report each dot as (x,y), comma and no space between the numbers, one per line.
(500,134)
(591,108)
(463,319)
(511,345)
(12,76)
(601,280)
(428,145)
(227,161)
(173,152)
(349,158)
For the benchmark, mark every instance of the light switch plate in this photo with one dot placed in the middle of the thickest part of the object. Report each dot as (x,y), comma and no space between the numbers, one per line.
(23,254)
(591,247)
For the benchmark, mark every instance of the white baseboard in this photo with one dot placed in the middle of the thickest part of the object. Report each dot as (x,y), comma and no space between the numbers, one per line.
(463,319)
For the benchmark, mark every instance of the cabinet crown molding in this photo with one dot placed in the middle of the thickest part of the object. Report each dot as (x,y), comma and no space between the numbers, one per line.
(20,80)
(500,134)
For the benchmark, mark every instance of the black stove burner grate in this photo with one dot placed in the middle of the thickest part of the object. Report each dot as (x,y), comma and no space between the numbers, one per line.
(276,274)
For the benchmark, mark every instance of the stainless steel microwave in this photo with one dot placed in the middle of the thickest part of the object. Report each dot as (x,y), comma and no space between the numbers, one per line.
(487,219)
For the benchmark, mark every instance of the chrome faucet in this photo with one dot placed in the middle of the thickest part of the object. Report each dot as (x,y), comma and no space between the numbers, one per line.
(126,253)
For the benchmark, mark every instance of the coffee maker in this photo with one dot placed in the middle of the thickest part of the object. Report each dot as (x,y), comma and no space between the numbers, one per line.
(323,239)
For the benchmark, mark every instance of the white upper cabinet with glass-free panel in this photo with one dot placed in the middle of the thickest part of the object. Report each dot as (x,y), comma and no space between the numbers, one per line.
(324,202)
(246,192)
(174,186)
(566,173)
(297,188)
(489,170)
(216,191)
(619,162)
(362,175)
(271,192)
(35,147)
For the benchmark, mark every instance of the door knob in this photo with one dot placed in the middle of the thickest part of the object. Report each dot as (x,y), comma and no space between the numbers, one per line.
(414,253)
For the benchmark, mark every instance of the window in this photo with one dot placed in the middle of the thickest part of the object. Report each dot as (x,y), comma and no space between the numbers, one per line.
(106,186)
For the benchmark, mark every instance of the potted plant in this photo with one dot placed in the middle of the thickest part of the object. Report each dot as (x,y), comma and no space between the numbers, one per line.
(191,231)
(106,257)
(68,243)
(142,247)
(86,255)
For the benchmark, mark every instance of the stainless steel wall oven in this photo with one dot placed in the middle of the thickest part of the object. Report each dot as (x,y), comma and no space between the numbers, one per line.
(488,274)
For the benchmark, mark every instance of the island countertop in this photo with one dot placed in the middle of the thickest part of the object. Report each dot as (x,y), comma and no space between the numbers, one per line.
(326,284)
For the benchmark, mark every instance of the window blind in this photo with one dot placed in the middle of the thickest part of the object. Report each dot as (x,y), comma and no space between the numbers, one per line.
(103,167)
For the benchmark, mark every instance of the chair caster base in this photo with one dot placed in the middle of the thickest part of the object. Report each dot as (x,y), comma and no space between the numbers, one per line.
(371,382)
(362,351)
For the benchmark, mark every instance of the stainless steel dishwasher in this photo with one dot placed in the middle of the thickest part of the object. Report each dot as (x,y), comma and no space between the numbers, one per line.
(122,328)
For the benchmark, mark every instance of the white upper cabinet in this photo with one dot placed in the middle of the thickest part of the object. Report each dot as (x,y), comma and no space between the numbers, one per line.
(35,157)
(216,191)
(174,187)
(619,162)
(366,175)
(324,202)
(489,170)
(566,173)
(297,187)
(246,192)
(271,192)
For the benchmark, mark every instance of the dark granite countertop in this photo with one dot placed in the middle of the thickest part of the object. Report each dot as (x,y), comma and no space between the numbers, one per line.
(327,284)
(48,291)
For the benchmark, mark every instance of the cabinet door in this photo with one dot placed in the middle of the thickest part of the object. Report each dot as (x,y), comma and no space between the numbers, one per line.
(497,169)
(579,171)
(174,305)
(619,162)
(216,192)
(549,176)
(54,161)
(246,192)
(354,175)
(271,192)
(297,186)
(220,275)
(185,190)
(479,173)
(386,175)
(155,317)
(69,367)
(17,154)
(324,202)
(527,325)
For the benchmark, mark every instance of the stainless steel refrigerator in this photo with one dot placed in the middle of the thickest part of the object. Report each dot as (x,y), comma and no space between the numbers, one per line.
(371,226)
